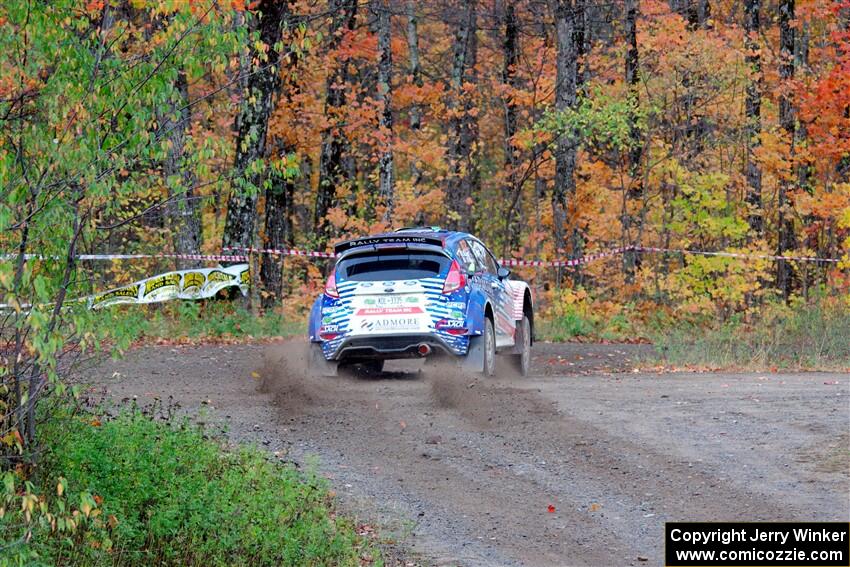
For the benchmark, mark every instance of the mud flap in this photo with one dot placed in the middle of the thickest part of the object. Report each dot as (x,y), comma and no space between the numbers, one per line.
(474,359)
(319,365)
(518,338)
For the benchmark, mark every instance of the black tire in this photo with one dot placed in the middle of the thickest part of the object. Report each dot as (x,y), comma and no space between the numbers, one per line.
(522,359)
(481,358)
(369,368)
(489,344)
(372,368)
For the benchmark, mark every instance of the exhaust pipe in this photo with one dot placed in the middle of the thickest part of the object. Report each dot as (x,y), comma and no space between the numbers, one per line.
(424,349)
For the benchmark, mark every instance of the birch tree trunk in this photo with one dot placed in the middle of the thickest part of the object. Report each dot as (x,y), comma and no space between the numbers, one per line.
(633,201)
(253,122)
(333,169)
(464,176)
(277,229)
(564,190)
(582,35)
(785,224)
(512,190)
(386,183)
(752,26)
(415,114)
(279,197)
(182,214)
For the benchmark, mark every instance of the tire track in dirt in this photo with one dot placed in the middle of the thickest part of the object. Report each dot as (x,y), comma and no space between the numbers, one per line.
(616,482)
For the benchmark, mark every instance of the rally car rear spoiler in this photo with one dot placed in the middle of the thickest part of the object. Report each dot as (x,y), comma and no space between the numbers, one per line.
(390,241)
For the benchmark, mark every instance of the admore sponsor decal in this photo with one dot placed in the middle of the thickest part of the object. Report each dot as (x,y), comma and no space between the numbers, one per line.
(390,324)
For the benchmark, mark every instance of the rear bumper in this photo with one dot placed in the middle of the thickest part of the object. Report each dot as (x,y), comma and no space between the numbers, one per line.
(390,346)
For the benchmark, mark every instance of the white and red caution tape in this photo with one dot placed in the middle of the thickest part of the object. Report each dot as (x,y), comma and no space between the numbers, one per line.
(506,262)
(737,255)
(199,257)
(282,252)
(201,283)
(586,259)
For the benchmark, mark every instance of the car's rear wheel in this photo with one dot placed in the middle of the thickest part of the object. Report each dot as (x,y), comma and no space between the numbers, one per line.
(363,369)
(489,348)
(522,359)
(370,368)
(318,365)
(481,357)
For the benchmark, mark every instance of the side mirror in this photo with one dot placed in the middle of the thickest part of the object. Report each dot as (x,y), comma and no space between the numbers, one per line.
(503,272)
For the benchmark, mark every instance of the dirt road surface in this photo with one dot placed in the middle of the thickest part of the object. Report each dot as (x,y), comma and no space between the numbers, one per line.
(580,464)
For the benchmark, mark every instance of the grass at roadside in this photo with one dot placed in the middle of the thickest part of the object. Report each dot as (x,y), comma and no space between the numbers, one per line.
(188,321)
(131,490)
(583,321)
(577,327)
(813,336)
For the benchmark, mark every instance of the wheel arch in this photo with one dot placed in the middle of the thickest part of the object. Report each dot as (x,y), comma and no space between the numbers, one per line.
(478,307)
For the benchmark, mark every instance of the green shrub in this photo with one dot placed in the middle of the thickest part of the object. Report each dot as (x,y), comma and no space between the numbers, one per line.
(565,327)
(167,494)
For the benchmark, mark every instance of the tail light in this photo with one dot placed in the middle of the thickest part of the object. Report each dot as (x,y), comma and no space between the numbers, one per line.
(455,279)
(330,286)
(451,326)
(328,334)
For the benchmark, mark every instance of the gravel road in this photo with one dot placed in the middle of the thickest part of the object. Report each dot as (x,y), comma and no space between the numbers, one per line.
(580,464)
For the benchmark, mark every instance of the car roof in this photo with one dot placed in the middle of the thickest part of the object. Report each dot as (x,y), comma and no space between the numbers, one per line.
(449,237)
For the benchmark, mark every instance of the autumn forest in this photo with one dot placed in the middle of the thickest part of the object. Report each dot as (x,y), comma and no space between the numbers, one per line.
(670,177)
(551,129)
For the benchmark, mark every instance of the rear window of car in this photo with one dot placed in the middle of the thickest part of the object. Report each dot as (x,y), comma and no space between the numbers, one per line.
(384,267)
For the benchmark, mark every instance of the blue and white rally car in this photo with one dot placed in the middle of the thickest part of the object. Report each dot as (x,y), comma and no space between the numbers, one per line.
(420,292)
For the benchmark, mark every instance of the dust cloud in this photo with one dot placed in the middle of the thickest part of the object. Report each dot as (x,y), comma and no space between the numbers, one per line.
(445,385)
(471,396)
(451,386)
(285,373)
